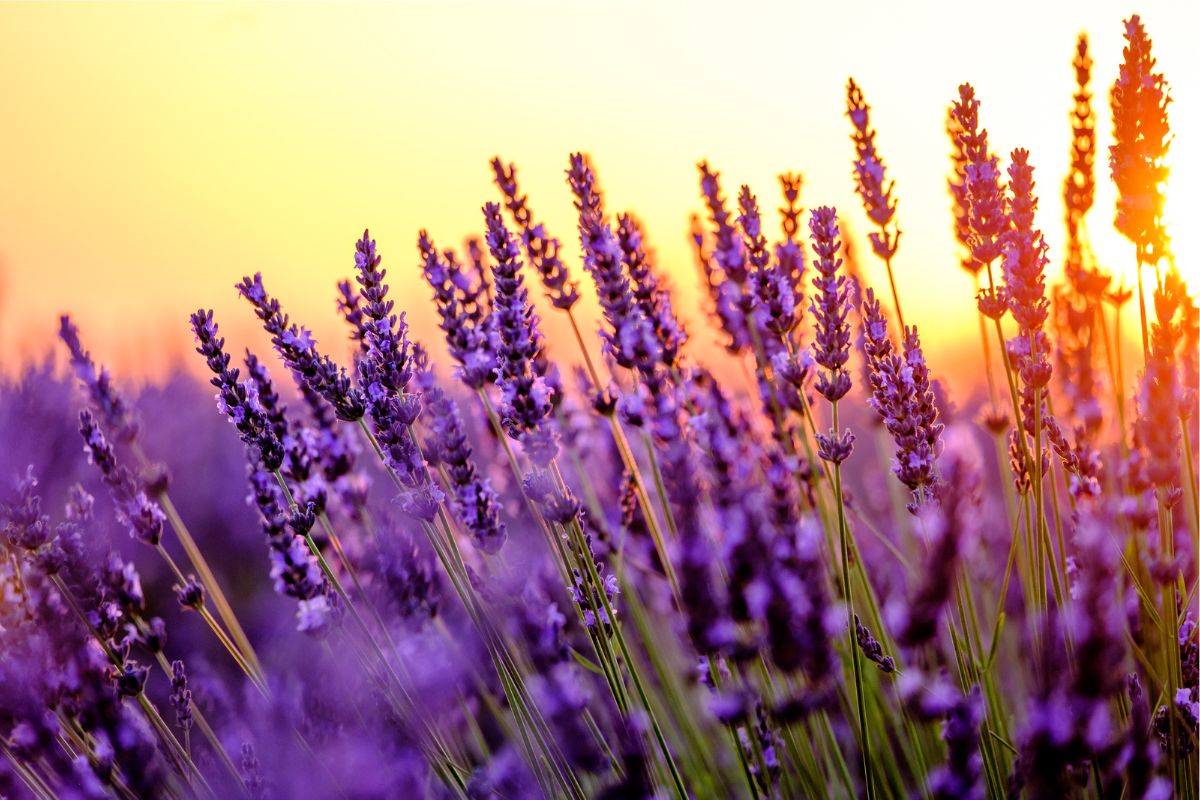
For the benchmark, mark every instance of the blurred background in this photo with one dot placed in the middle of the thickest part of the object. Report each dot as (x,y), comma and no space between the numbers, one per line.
(155,153)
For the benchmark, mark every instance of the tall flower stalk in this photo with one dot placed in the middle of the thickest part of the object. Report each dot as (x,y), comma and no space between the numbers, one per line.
(831,351)
(1137,157)
(875,190)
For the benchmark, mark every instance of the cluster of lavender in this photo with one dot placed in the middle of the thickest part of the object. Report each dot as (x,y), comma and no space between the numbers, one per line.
(662,578)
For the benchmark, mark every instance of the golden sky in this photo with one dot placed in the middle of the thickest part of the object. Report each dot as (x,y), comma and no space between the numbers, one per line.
(155,153)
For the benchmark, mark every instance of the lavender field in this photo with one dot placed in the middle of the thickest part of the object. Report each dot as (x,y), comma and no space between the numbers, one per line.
(347,569)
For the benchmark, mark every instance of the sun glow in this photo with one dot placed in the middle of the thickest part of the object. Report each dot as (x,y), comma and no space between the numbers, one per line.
(162,152)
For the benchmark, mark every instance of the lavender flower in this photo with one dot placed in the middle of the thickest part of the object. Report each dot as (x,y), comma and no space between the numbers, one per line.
(135,510)
(540,248)
(25,526)
(1070,727)
(800,616)
(870,177)
(728,265)
(902,397)
(594,599)
(830,307)
(384,372)
(299,351)
(190,594)
(294,570)
(467,342)
(476,502)
(407,575)
(986,203)
(871,647)
(737,506)
(1140,755)
(950,526)
(106,400)
(1141,138)
(957,185)
(960,778)
(770,281)
(181,696)
(789,253)
(630,338)
(831,344)
(652,296)
(1024,250)
(233,399)
(1159,393)
(526,396)
(1079,187)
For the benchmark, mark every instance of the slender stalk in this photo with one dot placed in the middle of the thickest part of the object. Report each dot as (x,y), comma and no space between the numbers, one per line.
(895,295)
(205,573)
(844,538)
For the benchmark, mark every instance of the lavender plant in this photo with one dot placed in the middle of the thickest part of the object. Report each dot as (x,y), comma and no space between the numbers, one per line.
(676,576)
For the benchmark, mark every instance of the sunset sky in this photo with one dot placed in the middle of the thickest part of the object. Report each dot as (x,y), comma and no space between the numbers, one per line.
(153,154)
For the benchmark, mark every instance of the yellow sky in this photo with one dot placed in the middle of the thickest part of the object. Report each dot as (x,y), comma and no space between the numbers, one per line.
(153,154)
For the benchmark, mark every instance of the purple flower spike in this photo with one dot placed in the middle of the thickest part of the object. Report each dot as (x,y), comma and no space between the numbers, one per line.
(1024,250)
(830,306)
(299,351)
(630,337)
(1141,138)
(384,373)
(871,647)
(789,252)
(468,343)
(106,400)
(770,280)
(652,296)
(527,398)
(477,503)
(233,399)
(870,176)
(728,264)
(960,778)
(135,510)
(541,248)
(986,204)
(902,396)
(181,696)
(834,448)
(25,525)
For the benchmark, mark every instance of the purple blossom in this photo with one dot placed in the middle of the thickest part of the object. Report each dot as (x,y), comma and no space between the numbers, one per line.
(630,338)
(298,349)
(775,310)
(871,647)
(960,778)
(467,341)
(830,306)
(541,248)
(986,202)
(233,398)
(789,253)
(106,400)
(1141,138)
(902,396)
(476,502)
(527,398)
(728,264)
(134,509)
(181,696)
(25,526)
(651,294)
(870,177)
